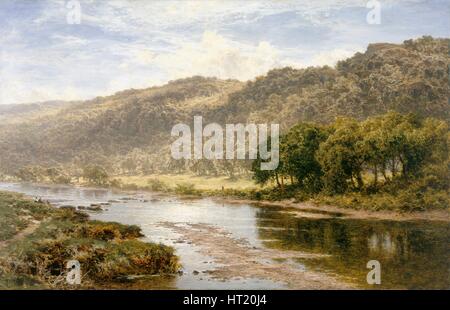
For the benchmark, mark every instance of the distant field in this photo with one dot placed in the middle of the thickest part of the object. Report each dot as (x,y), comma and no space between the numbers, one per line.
(200,182)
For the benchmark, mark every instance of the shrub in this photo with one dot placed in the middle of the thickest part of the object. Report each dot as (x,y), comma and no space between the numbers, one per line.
(186,189)
(156,185)
(109,231)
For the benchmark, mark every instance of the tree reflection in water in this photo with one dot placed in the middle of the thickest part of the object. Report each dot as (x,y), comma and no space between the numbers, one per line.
(413,254)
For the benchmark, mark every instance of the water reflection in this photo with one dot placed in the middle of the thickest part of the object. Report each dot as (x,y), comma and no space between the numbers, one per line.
(384,244)
(412,254)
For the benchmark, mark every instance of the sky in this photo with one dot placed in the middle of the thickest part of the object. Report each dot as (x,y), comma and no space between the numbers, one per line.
(46,53)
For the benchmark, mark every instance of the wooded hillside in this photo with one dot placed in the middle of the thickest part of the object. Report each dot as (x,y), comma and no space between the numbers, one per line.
(129,132)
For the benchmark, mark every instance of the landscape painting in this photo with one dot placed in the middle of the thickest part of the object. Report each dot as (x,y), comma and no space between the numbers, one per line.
(224,145)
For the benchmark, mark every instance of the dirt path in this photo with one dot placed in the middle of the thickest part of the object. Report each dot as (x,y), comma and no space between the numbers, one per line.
(22,234)
(237,258)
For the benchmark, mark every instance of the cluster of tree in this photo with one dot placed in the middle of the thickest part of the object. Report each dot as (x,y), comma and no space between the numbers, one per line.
(348,155)
(93,174)
(42,174)
(96,175)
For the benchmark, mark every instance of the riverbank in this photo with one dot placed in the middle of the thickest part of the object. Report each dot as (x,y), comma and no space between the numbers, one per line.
(350,206)
(326,211)
(37,240)
(202,183)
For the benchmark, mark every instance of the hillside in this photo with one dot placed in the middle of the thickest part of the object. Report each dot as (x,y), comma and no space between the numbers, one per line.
(130,130)
(19,113)
(411,77)
(96,130)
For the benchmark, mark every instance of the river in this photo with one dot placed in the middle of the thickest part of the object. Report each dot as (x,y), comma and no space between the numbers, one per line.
(212,237)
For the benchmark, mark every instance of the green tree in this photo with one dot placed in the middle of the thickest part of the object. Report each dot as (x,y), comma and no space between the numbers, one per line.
(262,177)
(96,175)
(27,174)
(341,156)
(298,152)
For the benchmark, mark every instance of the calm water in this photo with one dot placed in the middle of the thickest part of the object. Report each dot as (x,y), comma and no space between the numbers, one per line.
(413,254)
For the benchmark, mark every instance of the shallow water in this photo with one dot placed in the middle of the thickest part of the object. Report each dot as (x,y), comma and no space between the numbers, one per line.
(413,254)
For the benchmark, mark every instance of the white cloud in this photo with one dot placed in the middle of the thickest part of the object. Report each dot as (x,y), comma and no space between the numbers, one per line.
(134,44)
(215,55)
(21,90)
(331,57)
(69,41)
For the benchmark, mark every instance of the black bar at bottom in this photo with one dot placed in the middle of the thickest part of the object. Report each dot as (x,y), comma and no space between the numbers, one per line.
(204,299)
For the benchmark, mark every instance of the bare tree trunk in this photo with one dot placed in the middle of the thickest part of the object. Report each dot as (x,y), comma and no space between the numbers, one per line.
(277,179)
(353,181)
(394,170)
(359,180)
(383,171)
(404,171)
(375,172)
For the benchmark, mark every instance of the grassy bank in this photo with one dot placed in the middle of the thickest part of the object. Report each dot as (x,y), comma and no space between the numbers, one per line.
(202,183)
(37,241)
(187,184)
(418,195)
